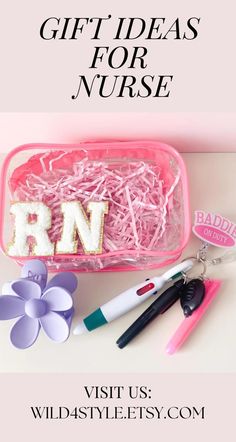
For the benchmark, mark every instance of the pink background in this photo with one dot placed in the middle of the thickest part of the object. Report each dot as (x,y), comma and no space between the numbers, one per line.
(188,132)
(39,75)
(215,392)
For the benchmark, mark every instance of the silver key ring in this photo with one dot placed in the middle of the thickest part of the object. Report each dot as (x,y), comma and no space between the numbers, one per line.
(202,274)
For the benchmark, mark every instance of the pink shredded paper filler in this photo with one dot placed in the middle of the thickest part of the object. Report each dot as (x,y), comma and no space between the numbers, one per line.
(145,211)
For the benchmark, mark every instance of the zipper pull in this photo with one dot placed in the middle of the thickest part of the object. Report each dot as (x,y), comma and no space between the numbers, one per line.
(192,296)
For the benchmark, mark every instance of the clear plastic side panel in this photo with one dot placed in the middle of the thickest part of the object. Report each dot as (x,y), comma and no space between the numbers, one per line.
(145,223)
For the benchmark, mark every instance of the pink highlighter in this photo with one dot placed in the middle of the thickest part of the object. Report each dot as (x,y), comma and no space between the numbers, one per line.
(189,323)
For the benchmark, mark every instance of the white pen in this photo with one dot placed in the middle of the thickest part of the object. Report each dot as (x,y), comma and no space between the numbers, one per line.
(129,299)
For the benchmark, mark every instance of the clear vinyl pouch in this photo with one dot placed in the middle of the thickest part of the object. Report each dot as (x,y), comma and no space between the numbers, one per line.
(95,206)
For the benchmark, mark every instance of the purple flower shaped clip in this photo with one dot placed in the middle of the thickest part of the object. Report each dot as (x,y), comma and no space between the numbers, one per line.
(38,304)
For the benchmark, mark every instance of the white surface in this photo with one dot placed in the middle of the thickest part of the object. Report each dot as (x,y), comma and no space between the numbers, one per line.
(212,346)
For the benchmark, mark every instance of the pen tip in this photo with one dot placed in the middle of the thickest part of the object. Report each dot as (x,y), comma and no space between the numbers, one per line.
(80,329)
(170,350)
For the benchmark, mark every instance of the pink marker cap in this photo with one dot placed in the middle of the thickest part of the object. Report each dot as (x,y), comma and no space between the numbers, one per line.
(188,324)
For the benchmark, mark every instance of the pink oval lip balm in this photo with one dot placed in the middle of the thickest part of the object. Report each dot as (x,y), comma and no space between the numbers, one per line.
(189,323)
